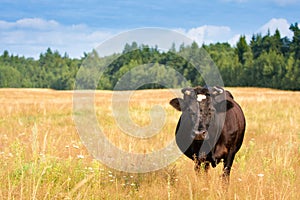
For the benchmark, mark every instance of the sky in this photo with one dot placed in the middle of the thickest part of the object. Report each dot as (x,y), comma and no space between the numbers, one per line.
(29,27)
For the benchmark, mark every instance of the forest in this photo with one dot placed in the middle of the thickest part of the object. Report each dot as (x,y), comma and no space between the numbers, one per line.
(269,60)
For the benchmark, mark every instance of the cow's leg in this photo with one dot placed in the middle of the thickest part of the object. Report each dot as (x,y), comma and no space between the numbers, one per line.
(206,166)
(197,163)
(228,163)
(197,166)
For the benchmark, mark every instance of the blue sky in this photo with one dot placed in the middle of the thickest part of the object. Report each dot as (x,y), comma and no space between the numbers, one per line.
(76,26)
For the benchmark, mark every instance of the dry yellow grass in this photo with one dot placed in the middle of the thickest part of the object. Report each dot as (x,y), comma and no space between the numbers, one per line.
(42,157)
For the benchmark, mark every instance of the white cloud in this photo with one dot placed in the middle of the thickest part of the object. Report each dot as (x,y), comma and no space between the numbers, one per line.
(281,24)
(234,39)
(32,36)
(36,23)
(30,23)
(211,34)
(208,34)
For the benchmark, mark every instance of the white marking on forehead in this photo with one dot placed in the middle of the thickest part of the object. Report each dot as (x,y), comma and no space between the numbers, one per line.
(201,97)
(188,92)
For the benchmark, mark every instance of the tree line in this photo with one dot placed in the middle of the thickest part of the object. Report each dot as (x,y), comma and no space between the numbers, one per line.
(269,60)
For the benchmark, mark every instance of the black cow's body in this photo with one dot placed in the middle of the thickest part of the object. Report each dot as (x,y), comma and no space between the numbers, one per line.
(211,129)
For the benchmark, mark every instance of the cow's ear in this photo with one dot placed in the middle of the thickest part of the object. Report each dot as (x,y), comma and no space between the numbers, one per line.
(223,106)
(178,104)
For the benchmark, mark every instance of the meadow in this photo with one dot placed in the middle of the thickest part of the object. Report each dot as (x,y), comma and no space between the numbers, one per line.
(42,156)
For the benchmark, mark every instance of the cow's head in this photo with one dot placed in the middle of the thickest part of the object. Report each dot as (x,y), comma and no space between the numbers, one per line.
(199,106)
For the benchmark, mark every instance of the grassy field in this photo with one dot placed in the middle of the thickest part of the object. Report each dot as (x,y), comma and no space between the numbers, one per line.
(42,157)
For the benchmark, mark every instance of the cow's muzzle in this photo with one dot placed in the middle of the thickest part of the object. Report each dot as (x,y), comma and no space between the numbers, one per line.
(200,135)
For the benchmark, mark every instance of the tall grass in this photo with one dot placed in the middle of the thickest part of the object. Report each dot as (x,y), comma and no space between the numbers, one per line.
(42,157)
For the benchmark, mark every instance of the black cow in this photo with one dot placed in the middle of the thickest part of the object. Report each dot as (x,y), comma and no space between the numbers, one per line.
(211,127)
